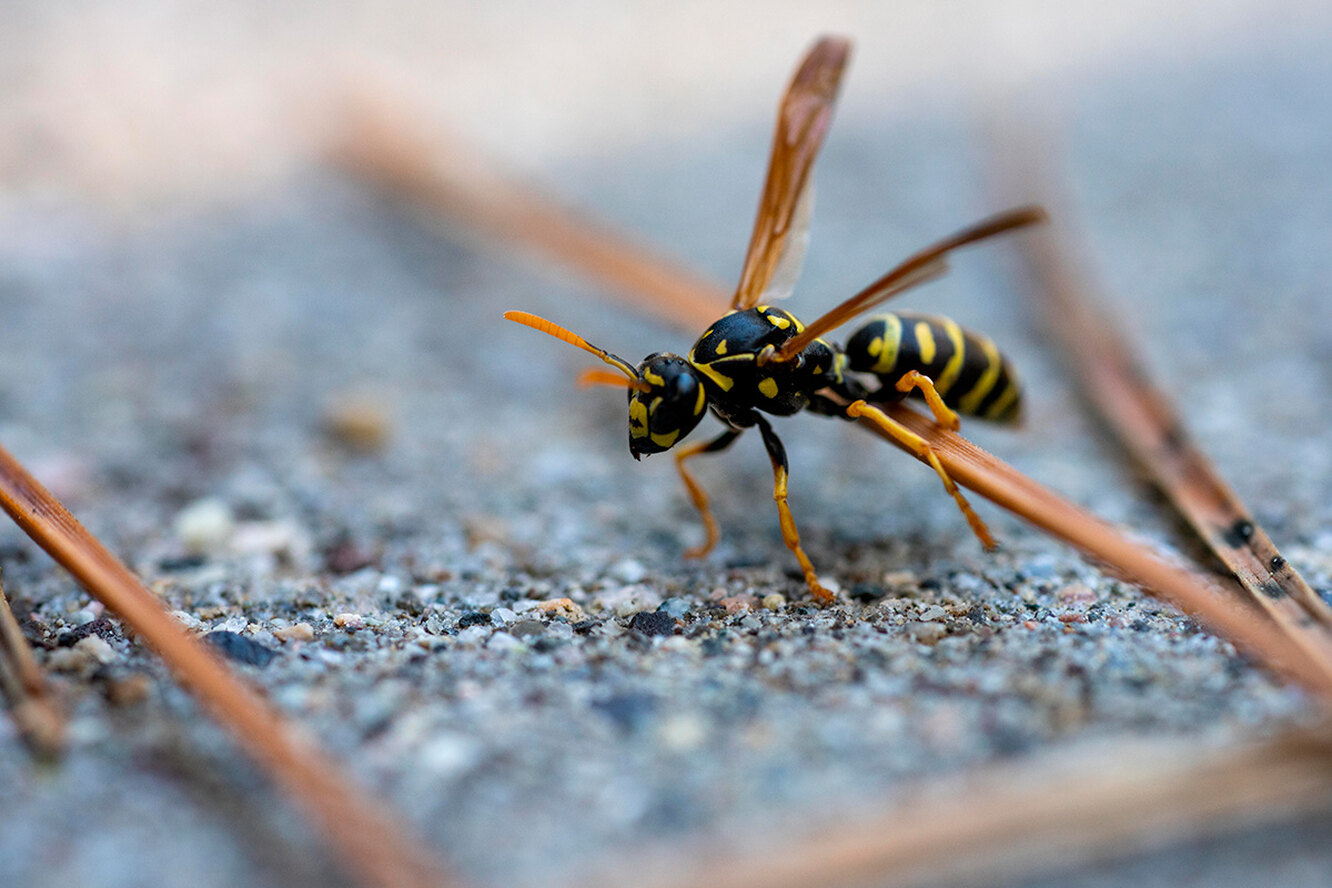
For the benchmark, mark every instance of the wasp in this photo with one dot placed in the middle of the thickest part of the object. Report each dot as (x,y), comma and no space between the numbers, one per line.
(758,360)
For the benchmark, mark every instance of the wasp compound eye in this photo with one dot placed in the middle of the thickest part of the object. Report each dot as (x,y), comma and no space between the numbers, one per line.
(669,409)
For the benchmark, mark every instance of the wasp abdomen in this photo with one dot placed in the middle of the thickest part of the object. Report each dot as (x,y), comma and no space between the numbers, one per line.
(967,368)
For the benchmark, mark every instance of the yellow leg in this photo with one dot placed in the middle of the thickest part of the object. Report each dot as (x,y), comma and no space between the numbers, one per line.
(790,536)
(922,449)
(943,414)
(697,494)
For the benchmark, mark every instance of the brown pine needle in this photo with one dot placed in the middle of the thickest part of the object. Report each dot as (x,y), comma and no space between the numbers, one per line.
(386,149)
(40,722)
(370,843)
(1114,381)
(1009,821)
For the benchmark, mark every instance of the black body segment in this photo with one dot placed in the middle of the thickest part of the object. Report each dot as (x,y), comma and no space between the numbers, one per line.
(967,368)
(729,357)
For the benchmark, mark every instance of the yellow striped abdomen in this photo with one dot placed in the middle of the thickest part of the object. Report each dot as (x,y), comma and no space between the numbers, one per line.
(967,368)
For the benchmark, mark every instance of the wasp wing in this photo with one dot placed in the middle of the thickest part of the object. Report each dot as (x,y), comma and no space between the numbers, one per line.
(781,230)
(924,265)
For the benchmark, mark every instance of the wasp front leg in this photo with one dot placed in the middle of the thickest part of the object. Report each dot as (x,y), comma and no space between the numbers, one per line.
(697,494)
(777,454)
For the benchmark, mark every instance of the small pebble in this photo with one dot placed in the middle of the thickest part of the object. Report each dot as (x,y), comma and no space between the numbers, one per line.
(524,628)
(774,601)
(736,604)
(349,621)
(298,632)
(358,422)
(652,623)
(926,633)
(629,571)
(128,691)
(562,607)
(676,607)
(502,615)
(473,618)
(932,613)
(205,525)
(1076,592)
(241,649)
(503,641)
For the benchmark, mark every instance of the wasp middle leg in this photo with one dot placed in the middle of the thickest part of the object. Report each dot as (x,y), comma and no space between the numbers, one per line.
(791,536)
(697,494)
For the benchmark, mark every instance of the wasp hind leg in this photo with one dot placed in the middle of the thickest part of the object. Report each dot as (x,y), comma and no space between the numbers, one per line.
(697,494)
(943,414)
(791,536)
(922,449)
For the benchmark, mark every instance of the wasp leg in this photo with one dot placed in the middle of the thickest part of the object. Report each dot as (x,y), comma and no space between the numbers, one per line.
(943,414)
(697,493)
(777,454)
(922,449)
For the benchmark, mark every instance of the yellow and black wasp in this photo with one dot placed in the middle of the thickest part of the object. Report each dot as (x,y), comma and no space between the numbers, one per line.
(759,360)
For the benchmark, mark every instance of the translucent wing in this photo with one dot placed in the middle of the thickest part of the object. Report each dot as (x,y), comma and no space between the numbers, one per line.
(787,273)
(924,265)
(777,245)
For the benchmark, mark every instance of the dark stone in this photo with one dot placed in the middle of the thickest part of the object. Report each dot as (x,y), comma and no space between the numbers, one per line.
(473,618)
(866,593)
(652,623)
(582,627)
(241,649)
(184,562)
(345,556)
(100,626)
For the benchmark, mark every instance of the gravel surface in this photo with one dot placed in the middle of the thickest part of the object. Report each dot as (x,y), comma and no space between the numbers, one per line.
(302,421)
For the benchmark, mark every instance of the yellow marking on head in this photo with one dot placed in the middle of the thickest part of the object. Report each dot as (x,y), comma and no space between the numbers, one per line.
(779,322)
(1005,403)
(701,404)
(638,418)
(993,363)
(889,344)
(954,365)
(768,387)
(653,378)
(925,339)
(721,347)
(656,402)
(667,439)
(723,381)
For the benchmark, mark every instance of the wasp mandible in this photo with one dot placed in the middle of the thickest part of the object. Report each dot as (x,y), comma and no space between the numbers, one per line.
(758,360)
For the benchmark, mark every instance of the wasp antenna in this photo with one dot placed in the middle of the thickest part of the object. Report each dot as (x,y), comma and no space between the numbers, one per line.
(550,328)
(594,376)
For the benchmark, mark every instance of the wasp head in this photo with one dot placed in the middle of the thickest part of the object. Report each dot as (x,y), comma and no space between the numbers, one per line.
(668,408)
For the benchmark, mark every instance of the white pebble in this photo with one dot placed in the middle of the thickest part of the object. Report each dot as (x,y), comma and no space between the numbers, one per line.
(205,525)
(503,641)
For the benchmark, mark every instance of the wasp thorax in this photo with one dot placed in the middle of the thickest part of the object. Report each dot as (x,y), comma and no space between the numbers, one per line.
(669,409)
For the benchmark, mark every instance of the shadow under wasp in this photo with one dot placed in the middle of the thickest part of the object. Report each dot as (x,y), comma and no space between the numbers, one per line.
(758,359)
